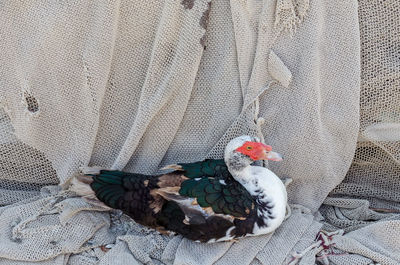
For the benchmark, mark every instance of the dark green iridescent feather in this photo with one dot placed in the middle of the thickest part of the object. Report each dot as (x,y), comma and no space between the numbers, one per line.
(213,186)
(110,186)
(209,181)
(212,197)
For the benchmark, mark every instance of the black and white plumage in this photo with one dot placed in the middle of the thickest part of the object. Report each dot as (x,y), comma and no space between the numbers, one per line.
(206,201)
(267,190)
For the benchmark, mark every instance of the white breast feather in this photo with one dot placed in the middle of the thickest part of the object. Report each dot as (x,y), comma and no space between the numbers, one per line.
(259,178)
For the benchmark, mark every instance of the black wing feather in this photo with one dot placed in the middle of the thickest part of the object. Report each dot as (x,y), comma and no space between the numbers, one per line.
(213,186)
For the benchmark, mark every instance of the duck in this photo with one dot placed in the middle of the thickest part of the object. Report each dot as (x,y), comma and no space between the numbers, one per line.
(207,201)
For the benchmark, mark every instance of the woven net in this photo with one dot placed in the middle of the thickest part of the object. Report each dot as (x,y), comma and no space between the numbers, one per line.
(375,171)
(366,204)
(136,85)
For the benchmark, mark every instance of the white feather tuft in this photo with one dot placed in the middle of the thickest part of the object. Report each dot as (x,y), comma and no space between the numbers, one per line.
(86,170)
(80,185)
(174,167)
(81,188)
(227,236)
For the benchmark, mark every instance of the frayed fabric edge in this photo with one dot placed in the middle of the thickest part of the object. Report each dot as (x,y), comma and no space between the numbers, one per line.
(289,14)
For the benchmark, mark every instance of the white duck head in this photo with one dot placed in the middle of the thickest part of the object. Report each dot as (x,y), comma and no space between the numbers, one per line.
(242,151)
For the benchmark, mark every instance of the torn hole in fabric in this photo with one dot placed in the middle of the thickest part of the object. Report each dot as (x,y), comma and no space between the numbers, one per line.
(30,102)
(204,24)
(188,4)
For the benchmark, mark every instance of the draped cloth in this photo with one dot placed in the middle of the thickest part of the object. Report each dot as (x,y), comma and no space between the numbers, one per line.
(137,85)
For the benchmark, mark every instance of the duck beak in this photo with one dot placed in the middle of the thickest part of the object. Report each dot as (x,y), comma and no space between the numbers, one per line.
(267,154)
(273,156)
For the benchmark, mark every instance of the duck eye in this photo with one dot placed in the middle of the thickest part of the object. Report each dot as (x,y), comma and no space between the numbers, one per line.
(249,147)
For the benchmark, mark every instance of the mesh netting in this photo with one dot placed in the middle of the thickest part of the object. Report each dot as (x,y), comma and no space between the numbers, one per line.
(376,167)
(137,85)
(374,173)
(366,204)
(23,169)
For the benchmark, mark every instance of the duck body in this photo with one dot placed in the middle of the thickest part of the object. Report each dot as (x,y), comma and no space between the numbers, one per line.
(206,201)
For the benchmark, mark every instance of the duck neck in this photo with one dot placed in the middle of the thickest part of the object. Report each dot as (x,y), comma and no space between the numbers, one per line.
(248,176)
(243,172)
(242,176)
(239,166)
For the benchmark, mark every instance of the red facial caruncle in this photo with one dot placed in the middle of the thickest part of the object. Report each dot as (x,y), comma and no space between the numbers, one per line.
(259,151)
